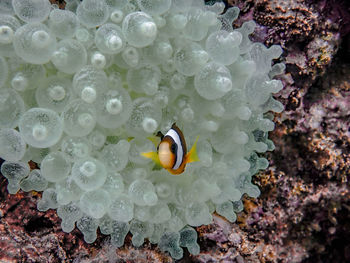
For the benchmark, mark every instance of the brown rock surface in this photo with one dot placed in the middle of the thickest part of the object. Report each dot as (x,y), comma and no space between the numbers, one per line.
(303,213)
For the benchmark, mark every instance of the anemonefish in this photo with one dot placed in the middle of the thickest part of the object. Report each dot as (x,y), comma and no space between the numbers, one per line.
(172,152)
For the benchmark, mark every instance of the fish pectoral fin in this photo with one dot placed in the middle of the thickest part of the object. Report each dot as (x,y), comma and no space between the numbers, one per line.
(153,156)
(192,155)
(154,140)
(160,135)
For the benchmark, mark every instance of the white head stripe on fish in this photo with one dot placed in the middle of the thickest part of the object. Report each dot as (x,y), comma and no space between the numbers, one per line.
(179,154)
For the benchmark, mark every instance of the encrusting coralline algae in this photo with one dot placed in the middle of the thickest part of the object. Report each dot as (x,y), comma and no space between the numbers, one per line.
(82,90)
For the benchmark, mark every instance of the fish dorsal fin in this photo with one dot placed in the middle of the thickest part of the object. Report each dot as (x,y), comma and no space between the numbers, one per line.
(192,155)
(153,156)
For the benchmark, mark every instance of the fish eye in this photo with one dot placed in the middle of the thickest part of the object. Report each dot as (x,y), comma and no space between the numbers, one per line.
(173,148)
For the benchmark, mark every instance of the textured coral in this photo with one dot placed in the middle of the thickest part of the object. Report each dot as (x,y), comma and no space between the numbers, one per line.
(303,213)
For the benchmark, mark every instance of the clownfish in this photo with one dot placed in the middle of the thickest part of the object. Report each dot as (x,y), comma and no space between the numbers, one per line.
(172,152)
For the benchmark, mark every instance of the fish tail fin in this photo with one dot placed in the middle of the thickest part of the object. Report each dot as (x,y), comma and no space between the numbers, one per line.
(192,155)
(153,156)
